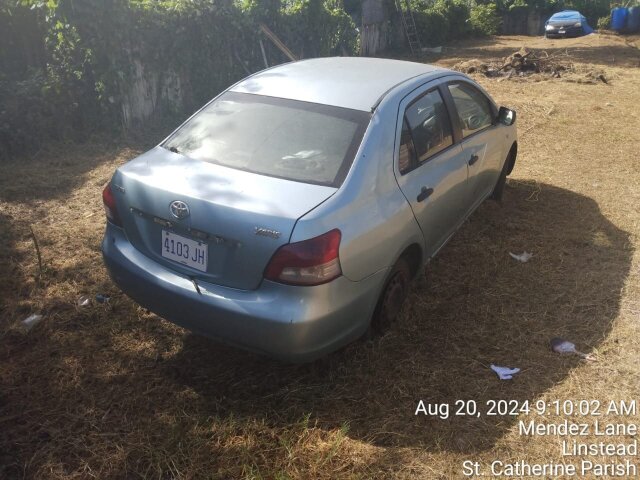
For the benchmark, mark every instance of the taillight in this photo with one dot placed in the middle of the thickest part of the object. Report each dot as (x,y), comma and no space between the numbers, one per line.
(110,205)
(310,262)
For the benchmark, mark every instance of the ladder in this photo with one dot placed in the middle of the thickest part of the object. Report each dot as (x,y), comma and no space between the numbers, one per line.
(409,25)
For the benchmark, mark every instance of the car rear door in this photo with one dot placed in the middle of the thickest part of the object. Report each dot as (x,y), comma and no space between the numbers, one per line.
(474,114)
(430,166)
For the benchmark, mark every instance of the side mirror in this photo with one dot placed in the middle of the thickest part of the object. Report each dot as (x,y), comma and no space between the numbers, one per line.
(506,116)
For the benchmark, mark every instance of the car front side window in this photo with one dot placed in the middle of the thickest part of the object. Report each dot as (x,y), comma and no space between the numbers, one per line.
(473,108)
(428,125)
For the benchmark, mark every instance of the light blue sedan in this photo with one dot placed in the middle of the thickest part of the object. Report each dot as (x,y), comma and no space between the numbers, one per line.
(289,215)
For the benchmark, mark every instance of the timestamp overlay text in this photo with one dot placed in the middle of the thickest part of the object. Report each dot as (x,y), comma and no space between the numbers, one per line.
(595,438)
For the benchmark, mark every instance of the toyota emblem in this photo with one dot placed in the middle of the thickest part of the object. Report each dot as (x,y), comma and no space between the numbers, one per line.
(179,209)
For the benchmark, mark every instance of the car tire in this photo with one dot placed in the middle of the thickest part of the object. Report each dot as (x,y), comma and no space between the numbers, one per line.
(392,297)
(498,190)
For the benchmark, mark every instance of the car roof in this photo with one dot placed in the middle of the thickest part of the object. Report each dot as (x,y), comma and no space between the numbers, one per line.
(566,15)
(350,82)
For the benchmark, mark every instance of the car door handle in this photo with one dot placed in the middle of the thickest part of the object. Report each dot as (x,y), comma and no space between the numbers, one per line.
(474,158)
(424,194)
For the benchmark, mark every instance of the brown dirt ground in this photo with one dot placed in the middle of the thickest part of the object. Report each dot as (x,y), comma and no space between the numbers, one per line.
(115,392)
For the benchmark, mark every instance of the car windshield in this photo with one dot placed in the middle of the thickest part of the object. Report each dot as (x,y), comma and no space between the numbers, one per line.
(300,141)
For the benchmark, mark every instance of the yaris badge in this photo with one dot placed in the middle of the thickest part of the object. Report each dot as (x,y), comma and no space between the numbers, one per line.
(267,232)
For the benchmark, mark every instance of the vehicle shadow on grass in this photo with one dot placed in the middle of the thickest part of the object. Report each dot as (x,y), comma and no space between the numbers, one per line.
(477,306)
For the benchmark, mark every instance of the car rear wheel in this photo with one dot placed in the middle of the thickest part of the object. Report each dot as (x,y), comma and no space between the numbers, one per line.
(392,297)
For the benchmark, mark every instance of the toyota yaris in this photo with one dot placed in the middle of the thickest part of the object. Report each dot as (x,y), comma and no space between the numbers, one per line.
(290,213)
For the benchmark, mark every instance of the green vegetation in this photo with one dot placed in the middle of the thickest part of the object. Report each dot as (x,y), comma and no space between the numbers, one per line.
(441,20)
(604,23)
(484,19)
(68,66)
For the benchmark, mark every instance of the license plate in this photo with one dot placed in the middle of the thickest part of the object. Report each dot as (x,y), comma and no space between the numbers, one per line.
(191,253)
(562,31)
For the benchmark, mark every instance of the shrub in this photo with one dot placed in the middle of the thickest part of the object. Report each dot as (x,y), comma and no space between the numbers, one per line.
(604,23)
(440,21)
(432,27)
(313,29)
(484,19)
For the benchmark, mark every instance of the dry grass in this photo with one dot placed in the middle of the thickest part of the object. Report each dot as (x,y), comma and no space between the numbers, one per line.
(110,391)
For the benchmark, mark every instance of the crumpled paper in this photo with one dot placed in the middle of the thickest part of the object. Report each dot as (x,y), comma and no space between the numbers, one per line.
(523,257)
(504,373)
(31,321)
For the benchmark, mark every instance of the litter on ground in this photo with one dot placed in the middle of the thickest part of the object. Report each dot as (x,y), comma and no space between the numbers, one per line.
(563,347)
(504,373)
(524,257)
(84,301)
(31,321)
(100,298)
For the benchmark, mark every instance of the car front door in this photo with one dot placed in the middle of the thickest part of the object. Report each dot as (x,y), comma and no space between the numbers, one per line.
(430,166)
(475,114)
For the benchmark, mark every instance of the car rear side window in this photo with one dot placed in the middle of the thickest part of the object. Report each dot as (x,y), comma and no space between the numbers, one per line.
(429,126)
(473,108)
(300,141)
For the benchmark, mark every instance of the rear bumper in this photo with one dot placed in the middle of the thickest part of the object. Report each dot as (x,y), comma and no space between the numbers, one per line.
(287,322)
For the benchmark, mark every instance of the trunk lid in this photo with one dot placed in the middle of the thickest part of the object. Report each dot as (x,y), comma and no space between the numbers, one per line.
(241,217)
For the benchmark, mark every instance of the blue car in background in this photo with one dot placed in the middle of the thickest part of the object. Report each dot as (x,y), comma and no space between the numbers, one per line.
(568,23)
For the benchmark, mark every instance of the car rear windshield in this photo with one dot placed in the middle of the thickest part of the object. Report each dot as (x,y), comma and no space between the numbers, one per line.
(300,141)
